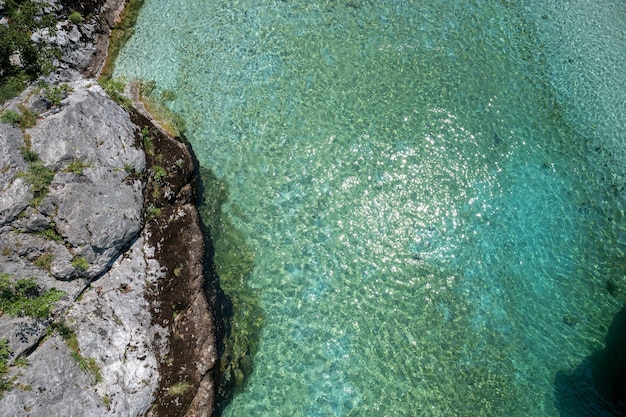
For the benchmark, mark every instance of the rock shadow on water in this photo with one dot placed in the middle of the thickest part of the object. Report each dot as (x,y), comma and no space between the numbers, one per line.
(597,387)
(239,314)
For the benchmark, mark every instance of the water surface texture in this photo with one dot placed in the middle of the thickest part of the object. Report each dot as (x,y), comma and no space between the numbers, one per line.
(434,219)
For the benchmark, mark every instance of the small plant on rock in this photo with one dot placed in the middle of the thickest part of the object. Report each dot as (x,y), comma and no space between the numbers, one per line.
(147,141)
(115,89)
(21,362)
(106,400)
(39,177)
(50,233)
(29,156)
(159,173)
(88,365)
(75,17)
(178,389)
(28,119)
(45,261)
(5,355)
(77,166)
(11,117)
(80,264)
(56,94)
(152,212)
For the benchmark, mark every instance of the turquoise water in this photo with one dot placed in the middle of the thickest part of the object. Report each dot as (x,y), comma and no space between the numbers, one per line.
(426,200)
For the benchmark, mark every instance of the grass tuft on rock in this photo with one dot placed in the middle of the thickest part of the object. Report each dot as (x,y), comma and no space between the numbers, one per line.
(38,177)
(25,298)
(80,264)
(88,365)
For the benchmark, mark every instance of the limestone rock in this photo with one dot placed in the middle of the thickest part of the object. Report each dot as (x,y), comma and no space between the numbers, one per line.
(91,128)
(14,195)
(64,391)
(114,326)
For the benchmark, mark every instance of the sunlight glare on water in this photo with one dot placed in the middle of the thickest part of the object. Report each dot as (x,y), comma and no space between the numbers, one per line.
(421,215)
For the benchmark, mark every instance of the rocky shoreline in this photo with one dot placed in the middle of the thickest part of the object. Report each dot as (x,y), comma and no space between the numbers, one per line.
(115,228)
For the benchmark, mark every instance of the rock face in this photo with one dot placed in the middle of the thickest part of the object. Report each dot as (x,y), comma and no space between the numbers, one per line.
(84,209)
(99,210)
(91,214)
(14,195)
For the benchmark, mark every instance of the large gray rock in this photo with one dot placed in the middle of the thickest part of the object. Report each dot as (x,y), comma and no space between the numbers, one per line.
(139,311)
(14,194)
(52,384)
(114,325)
(89,127)
(99,210)
(91,214)
(97,213)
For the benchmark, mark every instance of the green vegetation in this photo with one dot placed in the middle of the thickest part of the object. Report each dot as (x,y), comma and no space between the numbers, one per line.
(107,402)
(75,17)
(115,90)
(22,119)
(38,176)
(155,102)
(50,233)
(22,298)
(80,264)
(45,261)
(21,362)
(29,156)
(56,94)
(147,141)
(5,355)
(11,117)
(25,298)
(29,118)
(178,388)
(152,212)
(159,173)
(76,166)
(22,60)
(88,365)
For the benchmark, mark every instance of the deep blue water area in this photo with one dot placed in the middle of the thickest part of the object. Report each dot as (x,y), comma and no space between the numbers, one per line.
(433,193)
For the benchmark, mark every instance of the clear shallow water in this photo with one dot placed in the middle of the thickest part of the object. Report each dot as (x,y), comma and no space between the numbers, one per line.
(424,207)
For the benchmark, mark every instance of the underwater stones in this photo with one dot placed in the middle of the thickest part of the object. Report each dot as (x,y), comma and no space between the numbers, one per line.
(614,287)
(570,320)
(609,364)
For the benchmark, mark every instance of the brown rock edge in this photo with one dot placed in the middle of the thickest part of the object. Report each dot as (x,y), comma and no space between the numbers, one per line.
(179,302)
